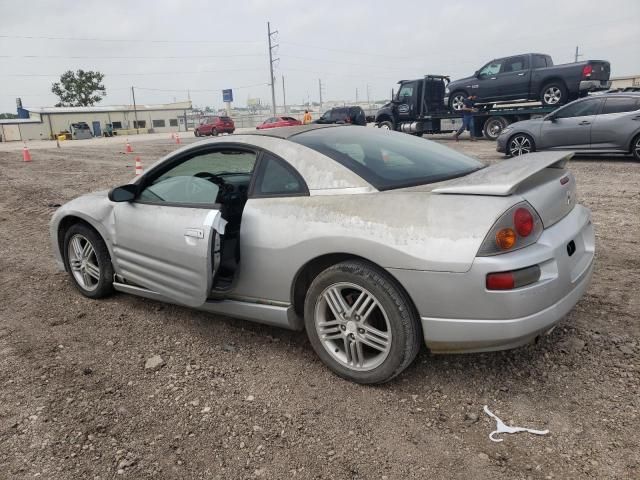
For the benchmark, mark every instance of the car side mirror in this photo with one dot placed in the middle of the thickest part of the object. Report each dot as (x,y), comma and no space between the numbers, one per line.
(551,117)
(125,193)
(476,74)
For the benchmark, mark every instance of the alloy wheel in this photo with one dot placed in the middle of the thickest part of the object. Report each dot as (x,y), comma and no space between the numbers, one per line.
(636,148)
(83,262)
(520,145)
(385,126)
(353,327)
(552,95)
(458,102)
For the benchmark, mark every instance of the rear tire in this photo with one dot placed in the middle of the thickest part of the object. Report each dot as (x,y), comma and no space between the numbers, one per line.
(196,133)
(456,101)
(520,144)
(553,94)
(386,125)
(635,147)
(493,127)
(214,132)
(88,262)
(360,323)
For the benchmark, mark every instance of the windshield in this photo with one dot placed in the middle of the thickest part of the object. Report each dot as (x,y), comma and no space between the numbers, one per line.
(386,159)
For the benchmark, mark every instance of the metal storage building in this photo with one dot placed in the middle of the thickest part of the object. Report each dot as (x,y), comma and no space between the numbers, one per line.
(44,122)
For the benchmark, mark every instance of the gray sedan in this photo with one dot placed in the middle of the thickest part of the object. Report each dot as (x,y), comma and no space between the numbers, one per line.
(373,241)
(607,123)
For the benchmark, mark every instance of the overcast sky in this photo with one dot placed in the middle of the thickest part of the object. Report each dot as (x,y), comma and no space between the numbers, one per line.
(205,46)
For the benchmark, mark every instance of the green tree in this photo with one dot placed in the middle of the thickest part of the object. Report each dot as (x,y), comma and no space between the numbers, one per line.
(4,116)
(79,89)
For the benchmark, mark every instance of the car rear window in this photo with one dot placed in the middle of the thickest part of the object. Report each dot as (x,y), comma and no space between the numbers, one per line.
(225,119)
(386,159)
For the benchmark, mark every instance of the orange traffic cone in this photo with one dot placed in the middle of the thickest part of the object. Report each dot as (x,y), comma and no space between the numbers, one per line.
(128,149)
(26,156)
(139,169)
(178,138)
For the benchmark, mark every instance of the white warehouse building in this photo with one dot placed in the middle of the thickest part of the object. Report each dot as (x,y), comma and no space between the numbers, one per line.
(46,122)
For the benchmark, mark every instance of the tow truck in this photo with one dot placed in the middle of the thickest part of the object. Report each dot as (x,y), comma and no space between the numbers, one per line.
(419,108)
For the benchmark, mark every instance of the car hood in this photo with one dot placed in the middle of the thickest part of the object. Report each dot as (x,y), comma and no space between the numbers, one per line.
(461,81)
(531,125)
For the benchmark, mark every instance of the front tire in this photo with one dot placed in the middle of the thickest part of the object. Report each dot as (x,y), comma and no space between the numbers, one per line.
(553,94)
(456,101)
(386,125)
(635,147)
(214,133)
(520,144)
(87,260)
(360,323)
(196,133)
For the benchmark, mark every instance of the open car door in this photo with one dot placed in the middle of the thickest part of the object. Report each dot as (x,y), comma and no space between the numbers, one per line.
(171,250)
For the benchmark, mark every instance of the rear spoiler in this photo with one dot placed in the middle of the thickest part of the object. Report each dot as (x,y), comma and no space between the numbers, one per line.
(502,179)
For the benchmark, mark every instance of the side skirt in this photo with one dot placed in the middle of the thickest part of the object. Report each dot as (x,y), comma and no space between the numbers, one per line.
(283,316)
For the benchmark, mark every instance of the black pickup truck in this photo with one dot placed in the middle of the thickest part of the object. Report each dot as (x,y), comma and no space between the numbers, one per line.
(530,76)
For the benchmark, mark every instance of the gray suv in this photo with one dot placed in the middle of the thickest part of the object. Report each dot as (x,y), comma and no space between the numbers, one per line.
(606,123)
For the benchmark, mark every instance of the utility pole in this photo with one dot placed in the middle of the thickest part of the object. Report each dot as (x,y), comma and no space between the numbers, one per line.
(135,111)
(577,54)
(284,96)
(271,61)
(368,102)
(356,95)
(320,90)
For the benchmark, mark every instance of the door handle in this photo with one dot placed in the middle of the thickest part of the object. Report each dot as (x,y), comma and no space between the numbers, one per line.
(584,122)
(493,78)
(194,232)
(521,74)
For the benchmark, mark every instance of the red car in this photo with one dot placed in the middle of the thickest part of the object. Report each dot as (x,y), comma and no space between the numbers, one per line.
(274,122)
(214,126)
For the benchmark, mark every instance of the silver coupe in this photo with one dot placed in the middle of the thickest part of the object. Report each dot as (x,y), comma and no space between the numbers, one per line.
(373,241)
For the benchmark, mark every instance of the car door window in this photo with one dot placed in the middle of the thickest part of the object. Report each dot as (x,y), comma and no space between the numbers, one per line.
(514,64)
(539,61)
(490,69)
(579,109)
(620,105)
(277,178)
(200,179)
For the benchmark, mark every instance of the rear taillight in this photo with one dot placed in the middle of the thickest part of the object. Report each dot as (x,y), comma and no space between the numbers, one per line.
(518,227)
(587,70)
(523,221)
(513,279)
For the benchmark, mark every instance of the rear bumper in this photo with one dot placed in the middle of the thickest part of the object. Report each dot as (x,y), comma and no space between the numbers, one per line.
(591,85)
(448,335)
(458,313)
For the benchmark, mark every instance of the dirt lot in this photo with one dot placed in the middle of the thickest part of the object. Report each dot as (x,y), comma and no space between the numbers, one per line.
(237,400)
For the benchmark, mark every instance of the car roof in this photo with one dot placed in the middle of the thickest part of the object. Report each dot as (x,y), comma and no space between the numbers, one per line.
(288,132)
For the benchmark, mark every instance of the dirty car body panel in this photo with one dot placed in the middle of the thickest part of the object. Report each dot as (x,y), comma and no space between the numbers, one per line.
(426,236)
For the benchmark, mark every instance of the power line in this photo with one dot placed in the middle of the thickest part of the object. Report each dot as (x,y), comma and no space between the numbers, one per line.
(134,73)
(137,57)
(130,40)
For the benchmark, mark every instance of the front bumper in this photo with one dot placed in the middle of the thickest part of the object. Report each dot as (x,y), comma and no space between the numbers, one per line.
(458,314)
(592,85)
(501,143)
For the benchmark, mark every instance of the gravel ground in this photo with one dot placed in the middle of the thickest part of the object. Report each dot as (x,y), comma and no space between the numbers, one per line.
(229,399)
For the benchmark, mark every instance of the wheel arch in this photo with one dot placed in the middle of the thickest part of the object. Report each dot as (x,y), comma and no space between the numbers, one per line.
(553,79)
(634,138)
(66,222)
(309,271)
